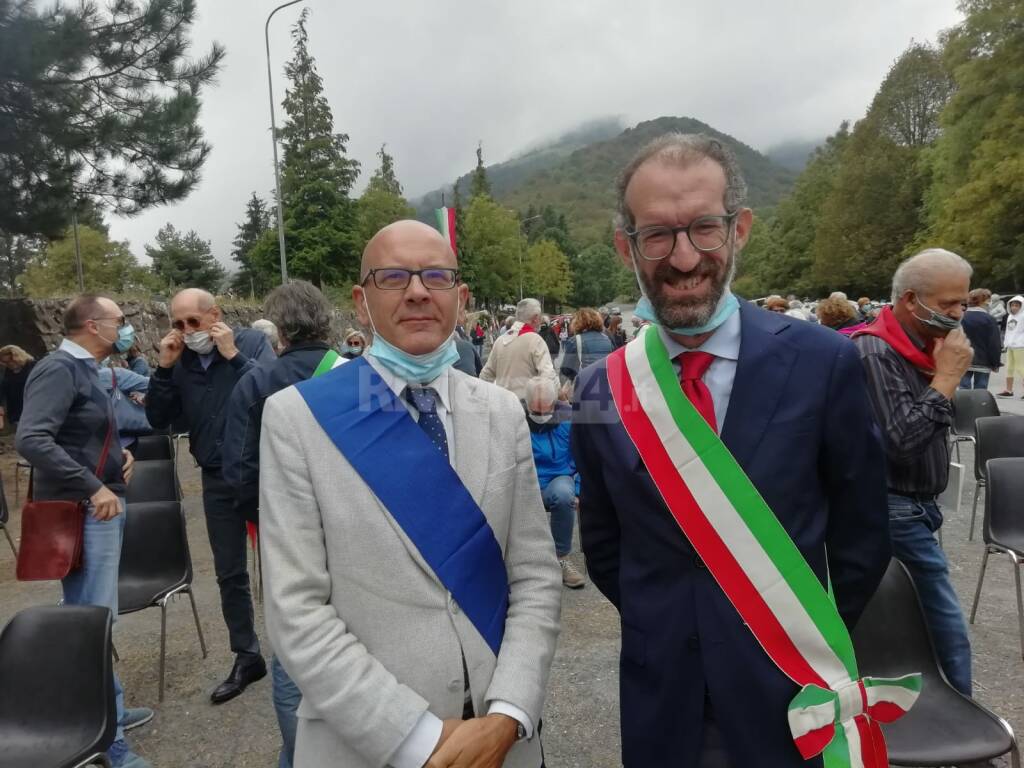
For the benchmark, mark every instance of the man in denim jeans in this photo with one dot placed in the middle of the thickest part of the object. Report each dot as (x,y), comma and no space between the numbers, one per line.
(62,433)
(915,354)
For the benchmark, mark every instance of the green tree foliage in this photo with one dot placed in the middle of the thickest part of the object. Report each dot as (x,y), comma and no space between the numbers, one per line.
(15,253)
(321,221)
(491,251)
(257,223)
(98,101)
(479,185)
(597,276)
(382,202)
(977,195)
(551,225)
(184,261)
(106,266)
(460,217)
(546,273)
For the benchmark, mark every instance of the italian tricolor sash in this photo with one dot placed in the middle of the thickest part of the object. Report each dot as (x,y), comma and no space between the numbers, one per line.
(753,559)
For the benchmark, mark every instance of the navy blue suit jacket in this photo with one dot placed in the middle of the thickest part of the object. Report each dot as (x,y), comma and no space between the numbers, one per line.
(800,424)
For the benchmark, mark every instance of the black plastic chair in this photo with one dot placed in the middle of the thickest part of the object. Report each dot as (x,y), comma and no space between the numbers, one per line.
(1002,528)
(969,405)
(58,681)
(156,565)
(153,448)
(153,481)
(998,437)
(944,727)
(5,517)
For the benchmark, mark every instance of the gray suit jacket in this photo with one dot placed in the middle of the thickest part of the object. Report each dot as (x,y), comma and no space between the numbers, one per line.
(357,617)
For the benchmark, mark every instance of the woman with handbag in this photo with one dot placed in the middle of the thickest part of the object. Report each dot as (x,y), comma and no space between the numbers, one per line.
(73,522)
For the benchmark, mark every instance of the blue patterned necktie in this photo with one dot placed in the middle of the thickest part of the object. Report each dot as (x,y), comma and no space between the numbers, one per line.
(425,402)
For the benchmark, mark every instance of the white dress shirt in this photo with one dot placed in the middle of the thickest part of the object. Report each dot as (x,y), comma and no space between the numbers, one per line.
(421,741)
(724,344)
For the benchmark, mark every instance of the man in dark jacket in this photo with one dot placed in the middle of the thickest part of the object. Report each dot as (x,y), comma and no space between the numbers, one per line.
(303,319)
(201,359)
(983,332)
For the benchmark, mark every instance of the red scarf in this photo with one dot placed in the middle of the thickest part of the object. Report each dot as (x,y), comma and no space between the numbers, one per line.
(889,330)
(527,328)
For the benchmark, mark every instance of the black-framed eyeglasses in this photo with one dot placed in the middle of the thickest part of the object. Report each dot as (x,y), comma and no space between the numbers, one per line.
(119,321)
(398,279)
(706,234)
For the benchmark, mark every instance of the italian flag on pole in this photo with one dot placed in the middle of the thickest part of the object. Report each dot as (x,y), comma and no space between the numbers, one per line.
(446,225)
(754,560)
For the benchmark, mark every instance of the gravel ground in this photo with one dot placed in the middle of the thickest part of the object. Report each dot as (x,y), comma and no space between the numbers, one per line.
(581,718)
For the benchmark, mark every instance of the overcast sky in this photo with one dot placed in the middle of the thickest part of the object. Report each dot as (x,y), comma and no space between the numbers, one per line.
(432,78)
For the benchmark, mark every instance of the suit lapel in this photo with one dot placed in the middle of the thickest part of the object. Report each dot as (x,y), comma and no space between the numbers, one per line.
(470,428)
(762,370)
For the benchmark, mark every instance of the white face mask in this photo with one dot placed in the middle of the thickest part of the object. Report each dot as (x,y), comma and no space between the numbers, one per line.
(199,342)
(541,418)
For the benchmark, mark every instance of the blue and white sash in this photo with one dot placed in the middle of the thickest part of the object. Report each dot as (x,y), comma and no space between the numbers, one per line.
(373,430)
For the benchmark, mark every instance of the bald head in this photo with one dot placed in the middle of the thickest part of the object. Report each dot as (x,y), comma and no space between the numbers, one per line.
(193,299)
(406,236)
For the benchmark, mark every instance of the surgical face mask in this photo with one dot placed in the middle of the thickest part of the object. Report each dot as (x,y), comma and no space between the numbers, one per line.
(418,369)
(937,320)
(353,349)
(540,418)
(199,342)
(125,338)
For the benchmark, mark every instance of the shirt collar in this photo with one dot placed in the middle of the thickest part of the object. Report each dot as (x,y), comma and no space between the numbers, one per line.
(398,385)
(76,350)
(724,342)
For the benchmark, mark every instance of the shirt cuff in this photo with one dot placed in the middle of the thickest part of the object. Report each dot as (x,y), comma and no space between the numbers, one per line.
(499,707)
(238,361)
(163,373)
(419,745)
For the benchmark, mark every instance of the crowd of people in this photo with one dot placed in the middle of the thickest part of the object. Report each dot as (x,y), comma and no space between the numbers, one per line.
(416,495)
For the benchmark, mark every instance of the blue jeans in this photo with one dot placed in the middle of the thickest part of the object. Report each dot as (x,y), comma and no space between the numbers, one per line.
(286,696)
(975,380)
(559,498)
(95,583)
(912,526)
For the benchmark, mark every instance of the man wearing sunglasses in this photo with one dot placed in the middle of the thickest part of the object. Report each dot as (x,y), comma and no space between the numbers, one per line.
(201,359)
(412,590)
(707,401)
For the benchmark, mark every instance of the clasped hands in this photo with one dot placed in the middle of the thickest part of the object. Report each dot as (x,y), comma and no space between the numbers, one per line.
(481,742)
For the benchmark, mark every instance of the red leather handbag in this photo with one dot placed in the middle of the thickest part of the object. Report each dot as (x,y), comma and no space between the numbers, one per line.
(52,531)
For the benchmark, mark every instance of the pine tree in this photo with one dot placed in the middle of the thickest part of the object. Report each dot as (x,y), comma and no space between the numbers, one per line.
(382,202)
(99,102)
(249,278)
(321,221)
(480,185)
(184,261)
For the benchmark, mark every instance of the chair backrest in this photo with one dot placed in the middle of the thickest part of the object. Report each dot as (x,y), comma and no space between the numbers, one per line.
(5,512)
(1004,502)
(969,405)
(58,682)
(155,557)
(891,637)
(998,437)
(155,480)
(153,447)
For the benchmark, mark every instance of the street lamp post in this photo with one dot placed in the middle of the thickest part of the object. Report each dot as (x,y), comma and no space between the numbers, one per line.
(521,249)
(273,139)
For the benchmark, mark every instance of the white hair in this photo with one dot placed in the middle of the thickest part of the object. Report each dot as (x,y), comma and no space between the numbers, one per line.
(541,386)
(918,273)
(839,295)
(527,309)
(269,330)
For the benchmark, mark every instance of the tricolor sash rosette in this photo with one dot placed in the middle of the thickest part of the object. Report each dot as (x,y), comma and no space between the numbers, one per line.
(755,562)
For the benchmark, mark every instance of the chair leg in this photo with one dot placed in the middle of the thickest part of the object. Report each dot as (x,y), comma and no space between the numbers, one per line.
(1020,602)
(974,509)
(10,541)
(199,627)
(981,578)
(114,649)
(956,444)
(163,644)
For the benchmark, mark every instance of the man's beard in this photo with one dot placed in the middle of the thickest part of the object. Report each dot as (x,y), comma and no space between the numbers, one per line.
(692,312)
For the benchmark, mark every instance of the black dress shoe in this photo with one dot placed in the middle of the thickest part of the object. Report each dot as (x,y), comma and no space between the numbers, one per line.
(244,672)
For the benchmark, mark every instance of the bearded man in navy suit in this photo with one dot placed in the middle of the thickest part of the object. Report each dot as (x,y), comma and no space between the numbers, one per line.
(788,400)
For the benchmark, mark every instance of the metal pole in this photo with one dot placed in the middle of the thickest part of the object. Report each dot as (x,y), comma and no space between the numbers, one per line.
(273,140)
(78,248)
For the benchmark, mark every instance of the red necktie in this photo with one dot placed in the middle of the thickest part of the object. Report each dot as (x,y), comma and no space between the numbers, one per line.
(694,365)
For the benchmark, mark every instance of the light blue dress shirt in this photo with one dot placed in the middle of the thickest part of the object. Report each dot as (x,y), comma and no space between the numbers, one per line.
(724,344)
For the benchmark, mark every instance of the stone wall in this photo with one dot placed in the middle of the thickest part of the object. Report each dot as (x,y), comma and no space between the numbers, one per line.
(35,324)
